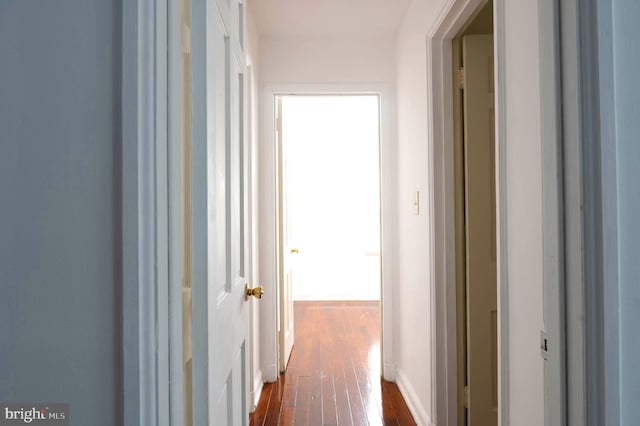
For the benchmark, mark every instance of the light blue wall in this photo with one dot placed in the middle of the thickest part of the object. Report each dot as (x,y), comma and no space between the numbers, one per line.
(60,331)
(626,40)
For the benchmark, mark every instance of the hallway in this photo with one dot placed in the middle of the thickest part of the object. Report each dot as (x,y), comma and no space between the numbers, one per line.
(147,269)
(334,372)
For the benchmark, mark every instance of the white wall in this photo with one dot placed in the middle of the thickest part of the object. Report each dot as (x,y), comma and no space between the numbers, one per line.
(523,199)
(253,49)
(413,344)
(524,213)
(327,61)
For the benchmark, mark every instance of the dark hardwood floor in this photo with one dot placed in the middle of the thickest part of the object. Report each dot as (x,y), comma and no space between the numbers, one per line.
(333,376)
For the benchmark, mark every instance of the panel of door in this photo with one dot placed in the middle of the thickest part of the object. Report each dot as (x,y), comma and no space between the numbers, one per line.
(225,222)
(287,247)
(480,201)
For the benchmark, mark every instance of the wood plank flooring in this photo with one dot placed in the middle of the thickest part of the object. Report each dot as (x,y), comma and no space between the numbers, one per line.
(333,376)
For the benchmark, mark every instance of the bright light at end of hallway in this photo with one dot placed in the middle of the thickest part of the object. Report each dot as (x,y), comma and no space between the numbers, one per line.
(332,151)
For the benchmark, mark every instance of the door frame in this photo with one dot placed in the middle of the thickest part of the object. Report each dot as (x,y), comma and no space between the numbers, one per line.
(150,155)
(444,387)
(591,212)
(151,213)
(579,213)
(268,196)
(553,337)
(145,309)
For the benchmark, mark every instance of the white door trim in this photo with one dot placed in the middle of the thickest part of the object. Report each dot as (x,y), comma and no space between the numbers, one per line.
(144,227)
(454,15)
(591,213)
(176,229)
(553,227)
(252,104)
(269,214)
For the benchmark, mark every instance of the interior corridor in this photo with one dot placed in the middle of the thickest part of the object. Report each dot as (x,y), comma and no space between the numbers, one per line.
(333,376)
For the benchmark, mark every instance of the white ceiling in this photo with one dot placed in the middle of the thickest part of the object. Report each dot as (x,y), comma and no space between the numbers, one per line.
(328,18)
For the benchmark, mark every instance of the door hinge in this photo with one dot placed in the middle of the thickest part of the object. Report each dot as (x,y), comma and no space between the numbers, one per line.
(466,396)
(461,78)
(544,345)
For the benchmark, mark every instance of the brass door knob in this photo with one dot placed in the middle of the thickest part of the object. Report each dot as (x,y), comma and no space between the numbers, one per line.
(256,292)
(295,251)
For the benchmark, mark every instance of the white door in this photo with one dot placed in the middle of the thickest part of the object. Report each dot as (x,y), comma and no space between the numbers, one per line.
(480,224)
(220,255)
(287,246)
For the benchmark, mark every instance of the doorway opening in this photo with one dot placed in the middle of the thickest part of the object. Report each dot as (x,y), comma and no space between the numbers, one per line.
(329,204)
(328,155)
(330,192)
(476,268)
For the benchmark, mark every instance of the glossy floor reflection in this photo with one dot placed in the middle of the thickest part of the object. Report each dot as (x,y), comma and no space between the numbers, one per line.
(333,376)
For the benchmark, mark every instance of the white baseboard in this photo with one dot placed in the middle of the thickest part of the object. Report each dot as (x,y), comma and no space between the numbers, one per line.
(416,407)
(389,372)
(270,373)
(257,390)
